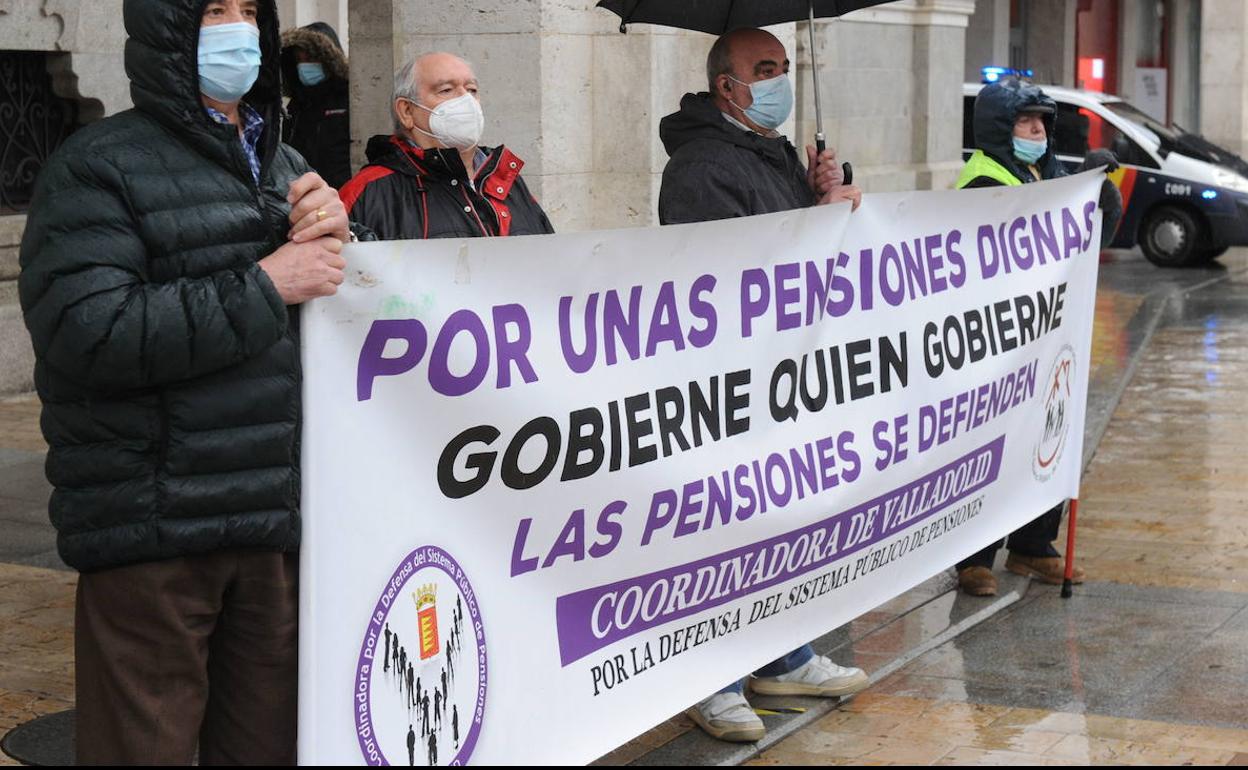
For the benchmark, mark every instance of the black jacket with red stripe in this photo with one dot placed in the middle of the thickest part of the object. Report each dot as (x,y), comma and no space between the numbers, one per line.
(407,192)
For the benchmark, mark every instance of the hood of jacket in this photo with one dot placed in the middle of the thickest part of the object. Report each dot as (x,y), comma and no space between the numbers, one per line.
(996,109)
(320,42)
(699,118)
(162,62)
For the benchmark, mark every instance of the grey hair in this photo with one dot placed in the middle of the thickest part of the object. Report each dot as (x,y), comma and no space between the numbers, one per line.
(405,87)
(718,61)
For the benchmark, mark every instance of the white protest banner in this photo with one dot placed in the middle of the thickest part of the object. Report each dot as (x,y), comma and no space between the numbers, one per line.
(558,488)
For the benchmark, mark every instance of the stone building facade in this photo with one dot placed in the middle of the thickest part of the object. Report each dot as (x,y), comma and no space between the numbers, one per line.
(1193,49)
(55,56)
(581,102)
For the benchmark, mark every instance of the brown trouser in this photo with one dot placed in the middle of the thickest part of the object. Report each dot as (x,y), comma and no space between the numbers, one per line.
(198,650)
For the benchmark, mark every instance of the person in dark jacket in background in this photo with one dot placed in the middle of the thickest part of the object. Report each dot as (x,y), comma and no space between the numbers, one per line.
(314,76)
(431,178)
(1014,123)
(164,248)
(728,160)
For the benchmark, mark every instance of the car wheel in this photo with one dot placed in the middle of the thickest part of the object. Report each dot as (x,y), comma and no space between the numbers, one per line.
(1170,237)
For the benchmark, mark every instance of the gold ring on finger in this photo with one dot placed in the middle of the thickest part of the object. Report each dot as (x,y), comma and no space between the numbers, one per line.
(321,215)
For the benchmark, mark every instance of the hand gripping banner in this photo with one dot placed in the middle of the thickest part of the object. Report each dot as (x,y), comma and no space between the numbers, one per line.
(557,488)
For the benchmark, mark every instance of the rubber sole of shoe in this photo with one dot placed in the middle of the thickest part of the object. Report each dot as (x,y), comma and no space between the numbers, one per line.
(846,687)
(1025,571)
(979,590)
(732,734)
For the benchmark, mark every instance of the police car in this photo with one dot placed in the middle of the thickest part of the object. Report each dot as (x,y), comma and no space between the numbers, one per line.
(1185,200)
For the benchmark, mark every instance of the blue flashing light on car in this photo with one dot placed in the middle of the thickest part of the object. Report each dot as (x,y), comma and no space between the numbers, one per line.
(993,74)
(1209,194)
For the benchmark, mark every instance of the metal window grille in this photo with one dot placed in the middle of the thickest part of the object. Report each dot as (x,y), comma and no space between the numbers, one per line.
(33,123)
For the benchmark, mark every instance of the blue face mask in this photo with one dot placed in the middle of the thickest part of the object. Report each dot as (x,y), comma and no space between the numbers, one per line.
(311,73)
(1029,151)
(229,60)
(773,101)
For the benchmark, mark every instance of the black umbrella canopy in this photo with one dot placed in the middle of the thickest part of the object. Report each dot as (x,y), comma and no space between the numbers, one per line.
(719,16)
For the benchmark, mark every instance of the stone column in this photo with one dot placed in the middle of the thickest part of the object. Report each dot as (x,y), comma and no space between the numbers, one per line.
(987,38)
(85,41)
(299,13)
(1129,44)
(1184,63)
(1050,30)
(1223,76)
(373,58)
(91,38)
(891,79)
(17,358)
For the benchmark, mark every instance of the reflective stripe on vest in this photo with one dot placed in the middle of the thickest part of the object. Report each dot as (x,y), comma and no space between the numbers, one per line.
(979,165)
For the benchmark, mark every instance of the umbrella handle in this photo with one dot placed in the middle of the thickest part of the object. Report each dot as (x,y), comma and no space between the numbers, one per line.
(821,144)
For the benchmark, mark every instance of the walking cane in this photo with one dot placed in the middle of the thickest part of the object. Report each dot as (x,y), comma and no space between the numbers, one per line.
(1067,582)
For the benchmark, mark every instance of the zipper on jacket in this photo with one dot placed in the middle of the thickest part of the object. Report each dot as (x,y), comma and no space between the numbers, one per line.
(485,230)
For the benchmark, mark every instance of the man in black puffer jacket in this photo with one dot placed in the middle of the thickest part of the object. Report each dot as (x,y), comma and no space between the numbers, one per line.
(164,247)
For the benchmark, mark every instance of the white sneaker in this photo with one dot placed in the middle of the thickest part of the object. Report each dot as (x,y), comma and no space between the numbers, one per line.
(728,717)
(818,676)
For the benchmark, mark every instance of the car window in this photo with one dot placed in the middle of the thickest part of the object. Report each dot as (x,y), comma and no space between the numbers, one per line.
(1079,130)
(1102,135)
(1072,131)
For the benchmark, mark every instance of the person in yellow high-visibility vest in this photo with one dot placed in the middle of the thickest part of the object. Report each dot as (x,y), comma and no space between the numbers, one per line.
(1014,124)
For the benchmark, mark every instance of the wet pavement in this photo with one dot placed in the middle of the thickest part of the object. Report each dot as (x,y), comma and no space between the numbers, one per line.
(36,603)
(1148,663)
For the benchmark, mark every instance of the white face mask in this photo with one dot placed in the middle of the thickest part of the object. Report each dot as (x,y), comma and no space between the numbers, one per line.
(456,123)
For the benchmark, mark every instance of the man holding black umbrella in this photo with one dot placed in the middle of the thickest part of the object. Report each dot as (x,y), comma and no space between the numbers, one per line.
(728,160)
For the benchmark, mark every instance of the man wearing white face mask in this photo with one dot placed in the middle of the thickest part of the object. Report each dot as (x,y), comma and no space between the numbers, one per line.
(728,160)
(167,249)
(431,178)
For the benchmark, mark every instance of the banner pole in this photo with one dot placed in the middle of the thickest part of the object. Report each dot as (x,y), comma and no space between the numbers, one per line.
(1067,583)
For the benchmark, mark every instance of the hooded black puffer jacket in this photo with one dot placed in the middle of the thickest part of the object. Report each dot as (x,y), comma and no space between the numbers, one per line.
(166,361)
(319,124)
(718,170)
(996,109)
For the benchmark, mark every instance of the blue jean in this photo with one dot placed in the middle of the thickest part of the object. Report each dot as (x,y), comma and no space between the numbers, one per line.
(791,662)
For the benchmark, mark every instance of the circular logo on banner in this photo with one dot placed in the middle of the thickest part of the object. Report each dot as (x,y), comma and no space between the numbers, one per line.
(1057,393)
(420,680)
